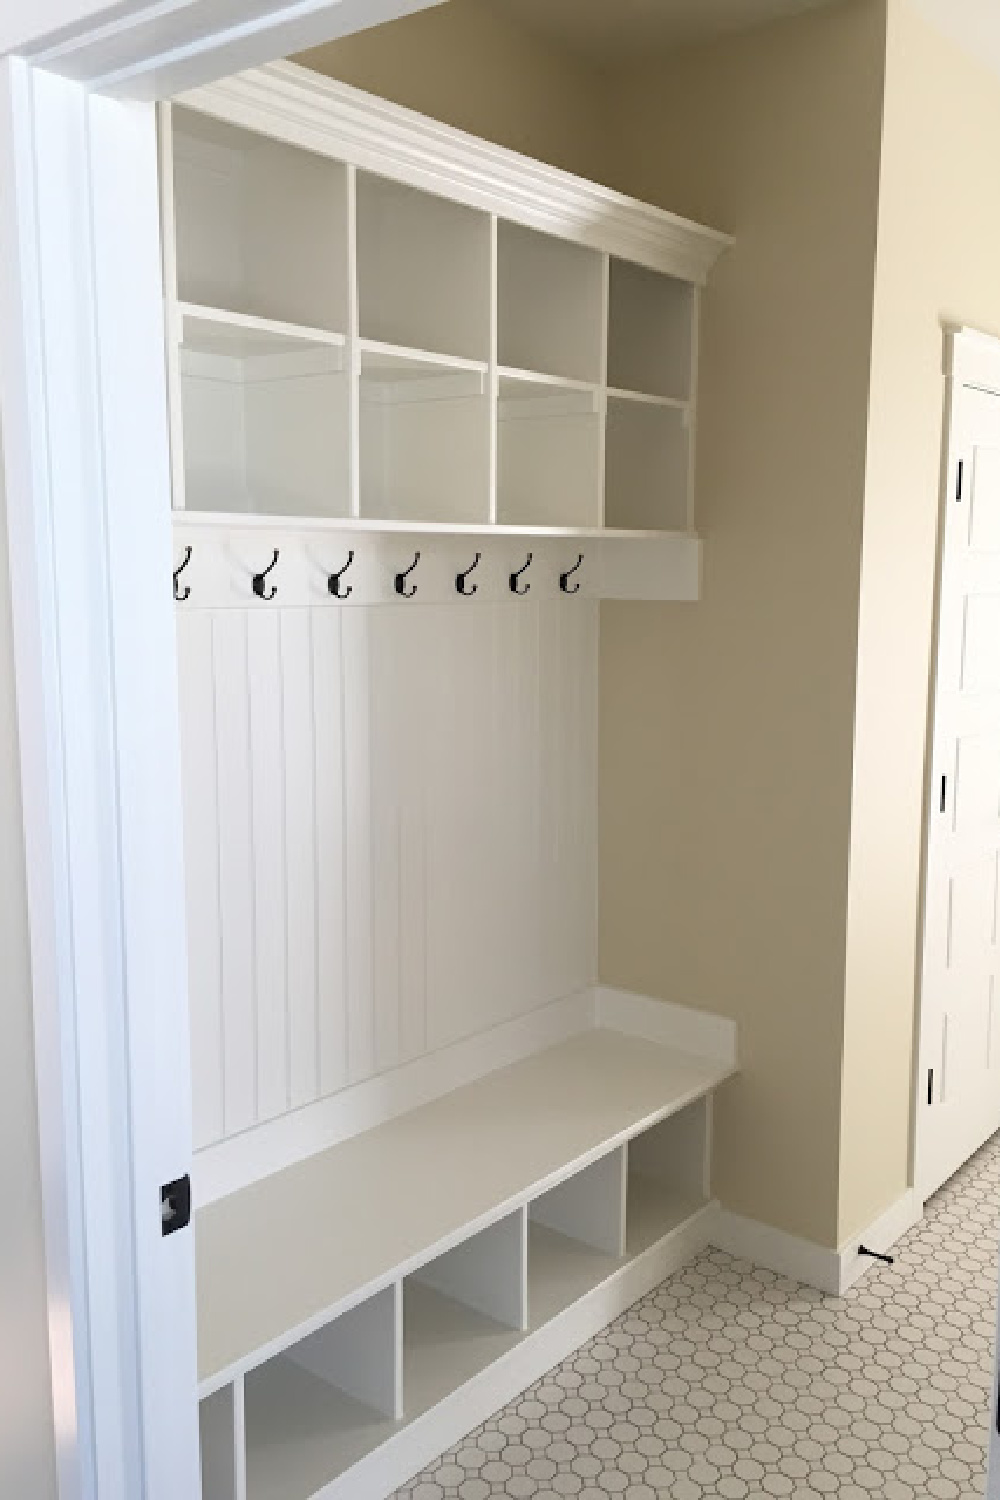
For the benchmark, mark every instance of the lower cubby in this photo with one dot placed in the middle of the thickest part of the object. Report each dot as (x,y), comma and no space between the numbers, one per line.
(220,1424)
(314,1411)
(463,1311)
(667,1176)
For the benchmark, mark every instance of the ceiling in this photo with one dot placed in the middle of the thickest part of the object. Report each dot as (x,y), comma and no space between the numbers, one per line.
(614,31)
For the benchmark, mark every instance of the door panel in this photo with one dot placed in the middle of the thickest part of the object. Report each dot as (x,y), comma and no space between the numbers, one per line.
(959,1083)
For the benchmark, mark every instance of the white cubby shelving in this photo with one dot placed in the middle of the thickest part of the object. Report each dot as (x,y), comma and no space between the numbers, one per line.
(369,330)
(512,1215)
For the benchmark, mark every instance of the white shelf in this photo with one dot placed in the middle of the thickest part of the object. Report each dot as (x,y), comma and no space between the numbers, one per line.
(672,403)
(390,372)
(443,1172)
(391,526)
(302,1432)
(217,330)
(445,1344)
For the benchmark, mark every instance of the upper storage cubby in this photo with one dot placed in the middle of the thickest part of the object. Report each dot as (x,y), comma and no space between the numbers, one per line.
(650,333)
(550,305)
(423,270)
(403,328)
(261,228)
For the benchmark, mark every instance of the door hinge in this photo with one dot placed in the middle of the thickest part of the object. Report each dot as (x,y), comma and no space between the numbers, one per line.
(961,475)
(930,1085)
(944,793)
(175,1205)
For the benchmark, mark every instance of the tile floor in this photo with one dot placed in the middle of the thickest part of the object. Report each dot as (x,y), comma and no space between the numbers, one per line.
(730,1381)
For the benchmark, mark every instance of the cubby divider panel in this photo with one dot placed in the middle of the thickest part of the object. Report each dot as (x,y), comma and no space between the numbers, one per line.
(220,1422)
(668,1175)
(318,1408)
(261,227)
(550,304)
(650,332)
(462,1311)
(423,269)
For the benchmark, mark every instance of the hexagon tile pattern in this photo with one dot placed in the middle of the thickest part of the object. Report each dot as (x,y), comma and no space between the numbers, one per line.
(732,1382)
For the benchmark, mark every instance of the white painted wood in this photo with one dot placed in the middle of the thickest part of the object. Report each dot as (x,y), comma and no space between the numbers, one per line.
(550,304)
(83,402)
(958,1071)
(240,1160)
(589,1207)
(676,1152)
(423,268)
(220,1461)
(646,478)
(356,815)
(485,1273)
(364,1463)
(444,1172)
(298,106)
(650,332)
(358,1352)
(299,893)
(697,1031)
(335,866)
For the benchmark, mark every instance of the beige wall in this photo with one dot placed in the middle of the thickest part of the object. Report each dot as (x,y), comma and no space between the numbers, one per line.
(726,728)
(938,262)
(466,64)
(27,1459)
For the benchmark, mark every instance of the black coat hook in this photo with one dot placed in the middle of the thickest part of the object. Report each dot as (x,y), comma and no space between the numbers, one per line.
(564,578)
(461,577)
(333,582)
(180,594)
(515,577)
(258,579)
(402,577)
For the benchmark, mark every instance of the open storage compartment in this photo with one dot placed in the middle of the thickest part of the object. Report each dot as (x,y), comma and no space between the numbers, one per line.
(327,1401)
(423,270)
(260,227)
(668,1175)
(220,1427)
(650,332)
(425,438)
(550,305)
(548,454)
(265,418)
(576,1237)
(462,1311)
(647,466)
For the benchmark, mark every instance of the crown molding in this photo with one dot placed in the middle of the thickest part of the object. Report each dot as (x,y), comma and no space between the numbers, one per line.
(303,108)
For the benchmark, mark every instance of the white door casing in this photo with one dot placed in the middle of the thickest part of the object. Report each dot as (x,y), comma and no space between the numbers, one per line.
(958,1081)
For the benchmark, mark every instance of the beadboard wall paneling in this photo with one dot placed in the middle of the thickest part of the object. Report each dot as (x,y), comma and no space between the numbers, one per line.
(390,837)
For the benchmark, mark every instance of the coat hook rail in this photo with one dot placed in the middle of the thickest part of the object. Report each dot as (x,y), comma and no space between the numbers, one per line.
(564,578)
(462,578)
(333,582)
(401,578)
(180,594)
(258,583)
(515,578)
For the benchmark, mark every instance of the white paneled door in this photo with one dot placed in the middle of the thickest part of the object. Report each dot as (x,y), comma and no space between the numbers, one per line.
(959,1063)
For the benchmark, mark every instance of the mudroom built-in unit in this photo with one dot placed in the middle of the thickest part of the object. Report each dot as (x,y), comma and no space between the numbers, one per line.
(430,403)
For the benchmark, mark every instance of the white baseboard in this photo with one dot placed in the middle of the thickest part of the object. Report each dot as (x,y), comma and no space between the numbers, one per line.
(243,1159)
(881,1235)
(831,1271)
(698,1031)
(786,1254)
